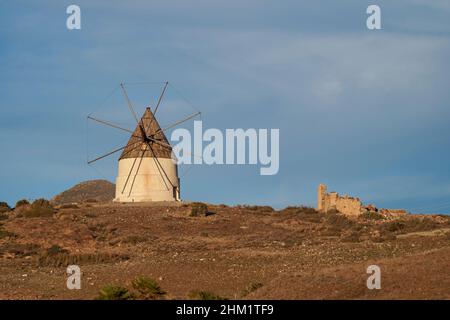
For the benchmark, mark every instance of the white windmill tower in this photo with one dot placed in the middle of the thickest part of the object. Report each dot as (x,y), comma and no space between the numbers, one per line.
(147,170)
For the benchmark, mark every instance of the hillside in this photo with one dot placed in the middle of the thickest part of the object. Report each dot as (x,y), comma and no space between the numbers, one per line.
(240,252)
(98,190)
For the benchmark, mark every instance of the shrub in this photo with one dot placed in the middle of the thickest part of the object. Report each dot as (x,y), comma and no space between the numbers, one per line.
(3,216)
(134,239)
(21,203)
(252,287)
(370,215)
(114,293)
(18,249)
(339,221)
(39,208)
(351,237)
(147,288)
(393,226)
(261,209)
(55,249)
(64,259)
(304,213)
(299,210)
(204,295)
(7,234)
(413,224)
(69,206)
(385,236)
(199,209)
(331,231)
(4,207)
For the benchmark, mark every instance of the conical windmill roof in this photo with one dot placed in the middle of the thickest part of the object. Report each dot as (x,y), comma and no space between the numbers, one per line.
(137,148)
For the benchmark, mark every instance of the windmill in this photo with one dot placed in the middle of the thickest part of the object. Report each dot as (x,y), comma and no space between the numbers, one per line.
(147,170)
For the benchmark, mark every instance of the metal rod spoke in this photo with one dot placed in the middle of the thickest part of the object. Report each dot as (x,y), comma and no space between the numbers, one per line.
(129,175)
(159,170)
(165,173)
(110,153)
(177,123)
(160,143)
(160,97)
(137,171)
(157,106)
(129,103)
(109,124)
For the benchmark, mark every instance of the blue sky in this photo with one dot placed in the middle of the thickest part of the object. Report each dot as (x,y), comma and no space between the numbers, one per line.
(366,112)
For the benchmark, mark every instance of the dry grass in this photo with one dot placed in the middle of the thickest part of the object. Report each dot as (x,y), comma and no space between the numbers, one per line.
(65,259)
(259,209)
(204,295)
(40,208)
(251,288)
(304,213)
(134,239)
(19,250)
(411,224)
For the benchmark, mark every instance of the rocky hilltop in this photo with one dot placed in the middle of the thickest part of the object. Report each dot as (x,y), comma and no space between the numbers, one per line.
(98,190)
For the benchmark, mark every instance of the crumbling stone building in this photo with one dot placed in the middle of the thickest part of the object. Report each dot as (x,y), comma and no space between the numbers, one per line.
(333,201)
(350,206)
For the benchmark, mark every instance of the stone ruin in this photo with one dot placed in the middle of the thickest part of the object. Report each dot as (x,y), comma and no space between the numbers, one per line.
(350,206)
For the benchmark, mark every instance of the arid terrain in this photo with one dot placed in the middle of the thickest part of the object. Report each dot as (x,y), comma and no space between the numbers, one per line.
(240,252)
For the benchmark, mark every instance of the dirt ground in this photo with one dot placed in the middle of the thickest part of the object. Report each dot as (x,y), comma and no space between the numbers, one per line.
(235,252)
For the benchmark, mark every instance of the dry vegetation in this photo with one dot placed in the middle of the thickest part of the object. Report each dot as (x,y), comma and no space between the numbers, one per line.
(200,251)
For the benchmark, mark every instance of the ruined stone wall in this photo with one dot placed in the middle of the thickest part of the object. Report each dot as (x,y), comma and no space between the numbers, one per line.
(333,201)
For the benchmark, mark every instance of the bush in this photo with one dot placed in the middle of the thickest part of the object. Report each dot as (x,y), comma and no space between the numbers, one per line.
(351,237)
(382,237)
(7,234)
(54,259)
(413,224)
(134,239)
(339,221)
(4,207)
(299,210)
(393,226)
(252,287)
(39,208)
(69,206)
(198,209)
(204,295)
(262,209)
(3,216)
(114,293)
(147,288)
(304,213)
(370,215)
(21,203)
(19,249)
(55,249)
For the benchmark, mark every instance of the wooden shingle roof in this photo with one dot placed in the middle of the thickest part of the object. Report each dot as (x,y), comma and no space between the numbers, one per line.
(137,148)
